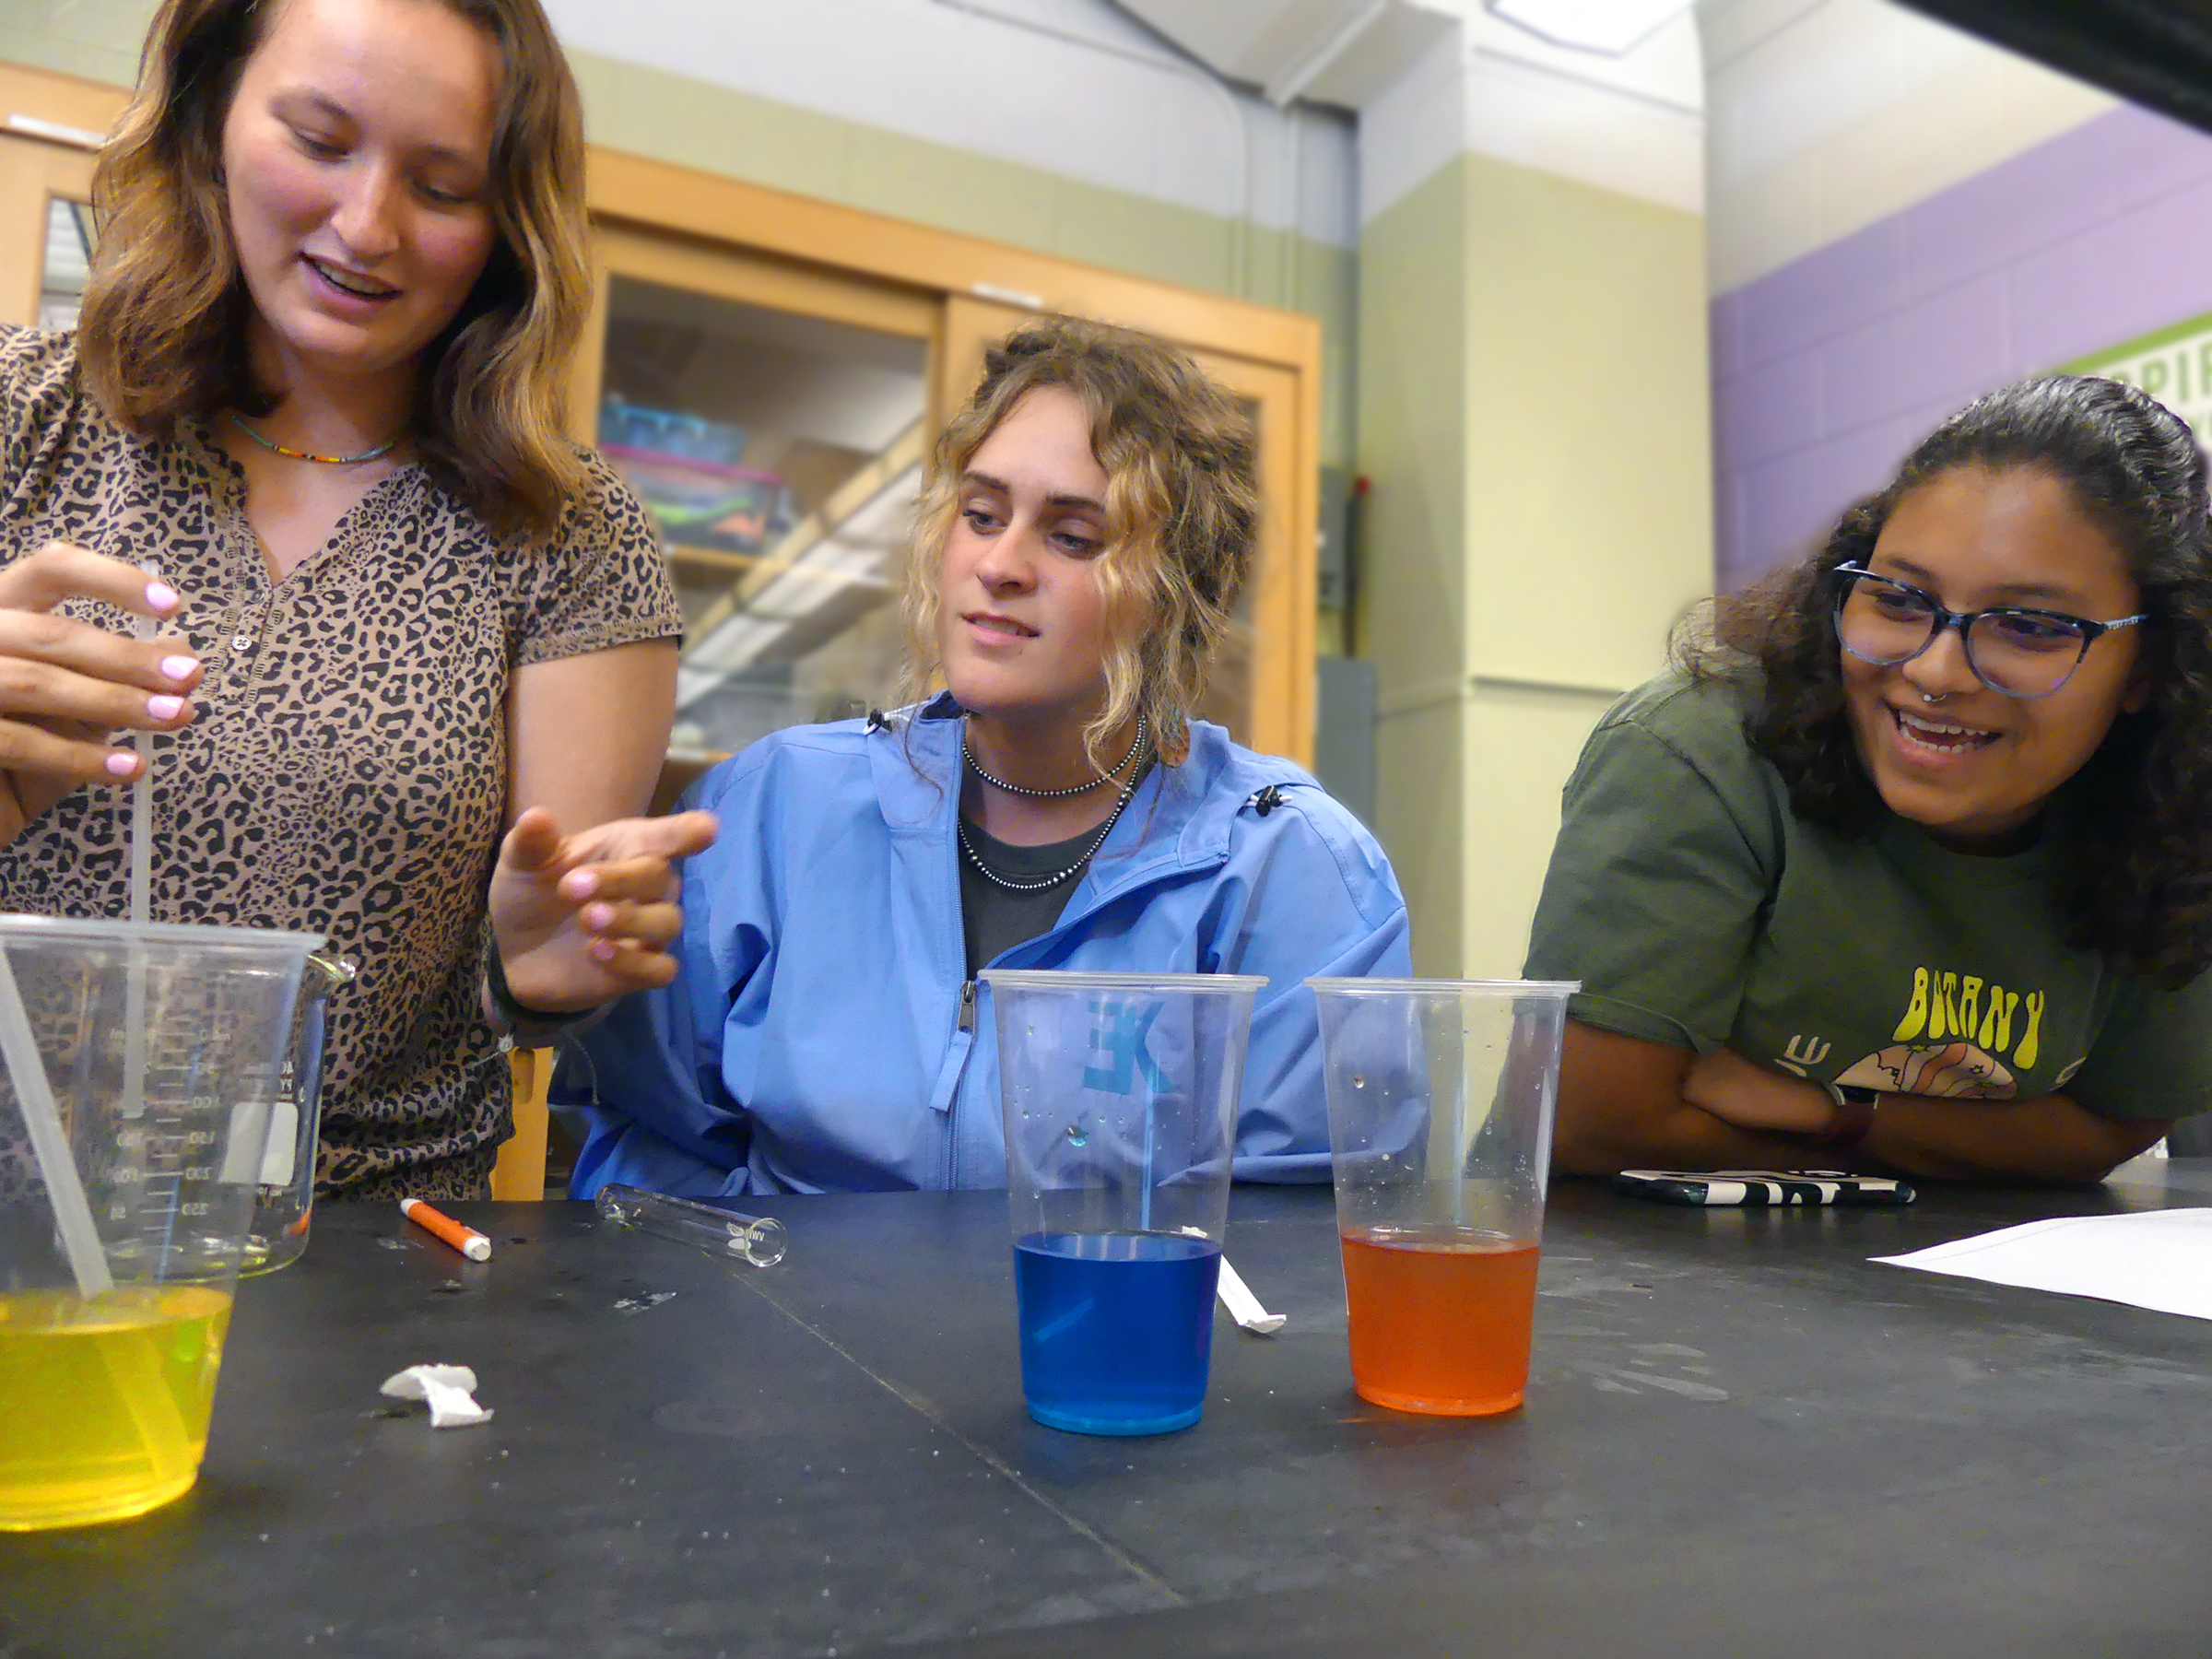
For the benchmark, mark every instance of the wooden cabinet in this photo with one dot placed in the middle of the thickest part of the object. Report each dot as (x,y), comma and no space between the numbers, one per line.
(770,371)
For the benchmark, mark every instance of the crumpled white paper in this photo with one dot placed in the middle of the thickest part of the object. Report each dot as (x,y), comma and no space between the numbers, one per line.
(448,1390)
(1237,1296)
(1244,1306)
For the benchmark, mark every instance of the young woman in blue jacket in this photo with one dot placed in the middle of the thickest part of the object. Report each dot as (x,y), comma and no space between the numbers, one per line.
(1082,537)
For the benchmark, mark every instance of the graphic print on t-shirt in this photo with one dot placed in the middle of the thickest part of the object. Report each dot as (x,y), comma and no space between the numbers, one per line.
(1953,1040)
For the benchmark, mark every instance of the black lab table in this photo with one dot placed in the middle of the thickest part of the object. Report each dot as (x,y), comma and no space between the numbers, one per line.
(1740,1437)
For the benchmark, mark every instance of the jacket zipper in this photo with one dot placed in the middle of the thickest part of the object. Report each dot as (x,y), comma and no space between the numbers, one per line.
(965,1025)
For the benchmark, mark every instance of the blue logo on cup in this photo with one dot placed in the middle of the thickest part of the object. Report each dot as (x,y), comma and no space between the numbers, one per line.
(1123,1027)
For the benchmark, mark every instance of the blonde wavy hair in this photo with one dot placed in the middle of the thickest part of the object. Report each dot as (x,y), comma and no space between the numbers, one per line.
(1181,508)
(163,333)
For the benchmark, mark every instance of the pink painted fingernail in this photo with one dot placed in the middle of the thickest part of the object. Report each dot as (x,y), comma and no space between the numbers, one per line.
(164,707)
(599,915)
(161,597)
(122,766)
(603,951)
(579,884)
(179,667)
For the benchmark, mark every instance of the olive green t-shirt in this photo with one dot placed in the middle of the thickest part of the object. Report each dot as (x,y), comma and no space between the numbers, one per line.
(1698,911)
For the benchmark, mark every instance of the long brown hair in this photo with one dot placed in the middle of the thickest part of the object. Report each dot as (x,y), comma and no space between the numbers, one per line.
(163,331)
(1181,508)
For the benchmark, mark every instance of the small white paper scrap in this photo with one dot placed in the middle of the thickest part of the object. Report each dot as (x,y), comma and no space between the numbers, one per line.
(2156,1259)
(1244,1306)
(448,1390)
(245,1149)
(1237,1296)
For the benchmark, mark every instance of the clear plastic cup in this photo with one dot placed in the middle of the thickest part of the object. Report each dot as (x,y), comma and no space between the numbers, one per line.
(1120,1094)
(1440,1095)
(128,1164)
(284,1194)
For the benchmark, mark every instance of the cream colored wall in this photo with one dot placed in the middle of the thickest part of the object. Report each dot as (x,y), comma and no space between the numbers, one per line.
(1589,500)
(96,39)
(1589,458)
(1412,426)
(1534,415)
(1521,744)
(1827,116)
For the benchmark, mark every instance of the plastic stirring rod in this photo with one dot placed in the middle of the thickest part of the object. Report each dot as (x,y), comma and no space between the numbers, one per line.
(756,1239)
(142,882)
(142,811)
(49,1141)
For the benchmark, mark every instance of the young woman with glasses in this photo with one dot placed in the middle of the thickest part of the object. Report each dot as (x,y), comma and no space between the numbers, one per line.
(1083,535)
(1906,863)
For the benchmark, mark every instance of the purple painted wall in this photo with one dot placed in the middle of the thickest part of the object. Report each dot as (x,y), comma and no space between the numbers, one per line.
(1828,369)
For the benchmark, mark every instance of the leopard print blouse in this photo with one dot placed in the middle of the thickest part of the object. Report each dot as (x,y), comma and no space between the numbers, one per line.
(346,772)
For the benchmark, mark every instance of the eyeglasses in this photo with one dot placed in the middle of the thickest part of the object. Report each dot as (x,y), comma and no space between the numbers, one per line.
(2011,649)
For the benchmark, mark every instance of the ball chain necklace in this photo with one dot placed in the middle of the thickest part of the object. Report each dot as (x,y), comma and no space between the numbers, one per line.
(1135,744)
(384,448)
(1097,841)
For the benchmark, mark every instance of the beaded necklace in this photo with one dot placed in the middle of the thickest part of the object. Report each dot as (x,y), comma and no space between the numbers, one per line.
(1097,841)
(1135,744)
(384,448)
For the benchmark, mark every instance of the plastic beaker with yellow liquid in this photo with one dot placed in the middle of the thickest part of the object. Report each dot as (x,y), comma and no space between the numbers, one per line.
(134,1114)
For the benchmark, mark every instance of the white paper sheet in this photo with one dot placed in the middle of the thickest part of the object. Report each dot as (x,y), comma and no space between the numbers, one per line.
(2156,1259)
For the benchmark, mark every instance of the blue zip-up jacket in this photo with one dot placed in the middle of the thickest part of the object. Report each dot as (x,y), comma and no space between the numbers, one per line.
(822,1034)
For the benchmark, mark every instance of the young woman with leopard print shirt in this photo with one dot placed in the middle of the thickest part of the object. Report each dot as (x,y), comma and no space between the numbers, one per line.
(310,422)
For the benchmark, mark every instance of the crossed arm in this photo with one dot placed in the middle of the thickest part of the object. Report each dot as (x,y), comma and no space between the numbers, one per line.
(1629,1103)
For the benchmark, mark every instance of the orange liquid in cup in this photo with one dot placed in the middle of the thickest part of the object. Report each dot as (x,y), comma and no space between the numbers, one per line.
(1439,1319)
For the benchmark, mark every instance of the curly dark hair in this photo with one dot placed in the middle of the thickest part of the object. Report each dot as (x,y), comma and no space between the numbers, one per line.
(2136,885)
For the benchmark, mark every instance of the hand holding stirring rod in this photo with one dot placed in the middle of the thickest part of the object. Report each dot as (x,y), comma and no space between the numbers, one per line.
(71,683)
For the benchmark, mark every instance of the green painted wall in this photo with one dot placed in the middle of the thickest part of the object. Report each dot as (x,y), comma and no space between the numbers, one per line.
(1412,420)
(696,123)
(1589,451)
(1533,413)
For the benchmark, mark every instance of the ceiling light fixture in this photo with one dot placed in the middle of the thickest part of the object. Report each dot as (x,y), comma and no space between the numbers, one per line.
(1614,28)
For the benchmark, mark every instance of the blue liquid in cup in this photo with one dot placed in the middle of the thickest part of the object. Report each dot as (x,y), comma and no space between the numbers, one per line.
(1116,1329)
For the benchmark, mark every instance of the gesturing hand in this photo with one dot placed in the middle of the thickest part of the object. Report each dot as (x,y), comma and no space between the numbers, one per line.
(65,685)
(582,918)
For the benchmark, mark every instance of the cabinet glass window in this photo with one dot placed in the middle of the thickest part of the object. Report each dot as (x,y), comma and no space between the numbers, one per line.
(781,456)
(67,264)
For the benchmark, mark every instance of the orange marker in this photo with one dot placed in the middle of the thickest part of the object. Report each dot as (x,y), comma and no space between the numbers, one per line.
(467,1240)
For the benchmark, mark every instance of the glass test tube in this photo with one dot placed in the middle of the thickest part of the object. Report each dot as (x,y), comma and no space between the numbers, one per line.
(755,1239)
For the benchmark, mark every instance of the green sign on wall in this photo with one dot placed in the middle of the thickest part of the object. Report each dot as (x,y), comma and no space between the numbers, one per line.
(2174,365)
